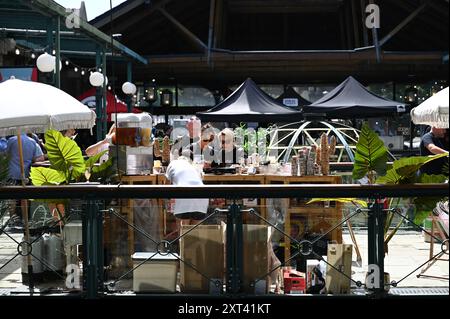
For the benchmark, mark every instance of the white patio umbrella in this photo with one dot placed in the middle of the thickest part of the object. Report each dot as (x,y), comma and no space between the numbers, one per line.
(38,107)
(433,111)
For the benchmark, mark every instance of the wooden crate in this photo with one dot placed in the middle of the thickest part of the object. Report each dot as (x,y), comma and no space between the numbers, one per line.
(202,253)
(317,215)
(339,257)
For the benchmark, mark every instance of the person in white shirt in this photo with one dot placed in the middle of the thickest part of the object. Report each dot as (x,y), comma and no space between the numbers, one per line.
(182,173)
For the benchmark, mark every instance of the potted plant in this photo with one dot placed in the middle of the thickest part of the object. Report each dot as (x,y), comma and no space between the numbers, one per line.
(67,165)
(371,163)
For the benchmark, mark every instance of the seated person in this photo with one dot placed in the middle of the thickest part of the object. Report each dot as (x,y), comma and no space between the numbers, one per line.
(227,153)
(433,143)
(202,145)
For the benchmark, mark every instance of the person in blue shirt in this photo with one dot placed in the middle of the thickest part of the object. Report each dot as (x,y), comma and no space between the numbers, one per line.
(31,153)
(3,144)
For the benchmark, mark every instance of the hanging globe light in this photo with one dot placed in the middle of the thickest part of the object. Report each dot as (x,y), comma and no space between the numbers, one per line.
(129,88)
(45,62)
(96,79)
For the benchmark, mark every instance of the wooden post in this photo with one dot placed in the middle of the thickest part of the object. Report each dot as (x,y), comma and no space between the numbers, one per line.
(25,213)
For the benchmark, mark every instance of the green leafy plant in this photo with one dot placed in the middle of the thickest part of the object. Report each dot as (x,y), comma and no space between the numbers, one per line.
(251,140)
(370,160)
(404,171)
(4,167)
(67,162)
(355,201)
(371,155)
(67,166)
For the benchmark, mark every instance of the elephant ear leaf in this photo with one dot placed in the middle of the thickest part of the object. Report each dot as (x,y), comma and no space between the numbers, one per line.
(46,176)
(354,201)
(391,177)
(64,154)
(432,179)
(371,154)
(404,170)
(408,166)
(94,159)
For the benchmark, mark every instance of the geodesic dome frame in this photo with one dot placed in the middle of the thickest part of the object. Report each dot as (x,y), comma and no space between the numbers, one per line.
(289,138)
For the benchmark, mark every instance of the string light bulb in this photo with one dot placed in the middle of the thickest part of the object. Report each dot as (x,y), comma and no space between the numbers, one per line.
(33,56)
(17,51)
(75,69)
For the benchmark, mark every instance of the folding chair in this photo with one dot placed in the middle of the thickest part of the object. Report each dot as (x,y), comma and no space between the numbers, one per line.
(439,225)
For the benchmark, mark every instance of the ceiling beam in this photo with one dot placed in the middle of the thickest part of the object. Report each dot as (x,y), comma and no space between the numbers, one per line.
(437,24)
(212,9)
(51,8)
(120,10)
(283,6)
(185,31)
(402,24)
(131,21)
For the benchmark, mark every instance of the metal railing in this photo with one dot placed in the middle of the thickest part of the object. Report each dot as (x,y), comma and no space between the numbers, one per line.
(94,210)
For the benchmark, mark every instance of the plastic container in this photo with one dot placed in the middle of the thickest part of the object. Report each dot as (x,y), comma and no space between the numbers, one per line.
(134,120)
(158,274)
(38,268)
(133,129)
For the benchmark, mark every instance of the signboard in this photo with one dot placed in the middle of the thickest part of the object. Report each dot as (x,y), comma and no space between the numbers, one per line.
(401,108)
(26,74)
(291,102)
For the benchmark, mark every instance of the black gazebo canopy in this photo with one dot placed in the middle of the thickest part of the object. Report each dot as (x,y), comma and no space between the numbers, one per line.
(248,103)
(351,99)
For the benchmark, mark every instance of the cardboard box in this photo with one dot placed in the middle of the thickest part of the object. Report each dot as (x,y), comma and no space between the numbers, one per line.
(340,257)
(256,245)
(204,249)
(159,274)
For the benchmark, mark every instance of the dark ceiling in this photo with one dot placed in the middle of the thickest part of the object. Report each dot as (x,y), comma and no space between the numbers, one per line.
(176,45)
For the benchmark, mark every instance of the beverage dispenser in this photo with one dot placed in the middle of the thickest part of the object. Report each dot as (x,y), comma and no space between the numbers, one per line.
(132,147)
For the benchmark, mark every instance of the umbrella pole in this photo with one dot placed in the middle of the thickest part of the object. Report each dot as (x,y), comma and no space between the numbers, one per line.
(25,215)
